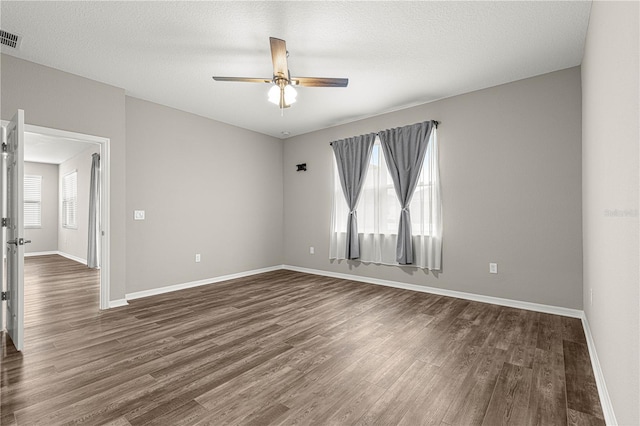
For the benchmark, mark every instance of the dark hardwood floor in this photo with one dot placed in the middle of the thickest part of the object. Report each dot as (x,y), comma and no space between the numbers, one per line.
(288,348)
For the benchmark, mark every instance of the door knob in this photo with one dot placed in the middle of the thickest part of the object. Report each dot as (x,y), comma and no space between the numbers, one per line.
(19,242)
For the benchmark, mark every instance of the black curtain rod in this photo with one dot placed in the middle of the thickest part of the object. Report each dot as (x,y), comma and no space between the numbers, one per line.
(435,123)
(378,134)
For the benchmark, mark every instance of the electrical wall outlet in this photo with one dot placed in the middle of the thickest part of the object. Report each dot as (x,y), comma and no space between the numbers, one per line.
(197,257)
(312,250)
(493,268)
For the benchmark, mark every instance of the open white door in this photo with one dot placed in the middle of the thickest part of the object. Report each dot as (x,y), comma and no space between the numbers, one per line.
(14,178)
(3,214)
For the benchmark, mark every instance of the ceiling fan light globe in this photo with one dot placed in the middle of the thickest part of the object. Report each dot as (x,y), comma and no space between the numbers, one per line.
(274,95)
(289,94)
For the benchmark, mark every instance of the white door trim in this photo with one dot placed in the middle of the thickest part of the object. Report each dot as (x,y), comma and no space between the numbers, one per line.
(105,199)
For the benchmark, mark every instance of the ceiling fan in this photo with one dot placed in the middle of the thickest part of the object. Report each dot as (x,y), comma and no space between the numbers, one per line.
(283,93)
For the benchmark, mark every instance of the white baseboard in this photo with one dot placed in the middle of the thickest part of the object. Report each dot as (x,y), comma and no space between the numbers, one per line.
(59,253)
(603,393)
(41,253)
(117,303)
(176,287)
(538,307)
(72,257)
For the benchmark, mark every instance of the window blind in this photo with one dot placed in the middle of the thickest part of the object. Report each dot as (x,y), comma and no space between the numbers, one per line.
(70,200)
(32,201)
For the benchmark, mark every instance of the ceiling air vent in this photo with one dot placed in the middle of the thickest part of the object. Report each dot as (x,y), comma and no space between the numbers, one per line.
(11,40)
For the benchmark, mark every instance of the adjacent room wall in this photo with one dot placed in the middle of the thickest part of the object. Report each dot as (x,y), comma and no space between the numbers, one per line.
(59,100)
(511,184)
(45,238)
(74,242)
(206,187)
(611,176)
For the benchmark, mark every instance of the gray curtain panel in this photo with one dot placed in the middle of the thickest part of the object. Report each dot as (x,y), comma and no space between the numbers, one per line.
(352,158)
(404,149)
(93,257)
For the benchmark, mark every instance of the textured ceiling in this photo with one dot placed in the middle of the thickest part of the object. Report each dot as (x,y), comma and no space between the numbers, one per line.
(395,54)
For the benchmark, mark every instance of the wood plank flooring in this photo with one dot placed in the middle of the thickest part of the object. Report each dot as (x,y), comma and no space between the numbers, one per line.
(288,348)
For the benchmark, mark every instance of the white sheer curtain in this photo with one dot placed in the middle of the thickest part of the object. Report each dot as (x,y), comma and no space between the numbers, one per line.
(378,214)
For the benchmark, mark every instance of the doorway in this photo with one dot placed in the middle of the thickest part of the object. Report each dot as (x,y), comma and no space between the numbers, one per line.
(58,146)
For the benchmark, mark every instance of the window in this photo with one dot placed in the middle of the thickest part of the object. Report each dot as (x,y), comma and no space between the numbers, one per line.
(70,200)
(33,201)
(378,212)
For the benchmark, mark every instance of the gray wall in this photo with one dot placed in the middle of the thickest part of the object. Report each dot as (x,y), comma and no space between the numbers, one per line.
(168,143)
(511,185)
(59,100)
(74,241)
(44,238)
(611,175)
(207,188)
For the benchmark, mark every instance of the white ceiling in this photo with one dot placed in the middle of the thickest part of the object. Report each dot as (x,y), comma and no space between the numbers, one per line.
(49,149)
(395,54)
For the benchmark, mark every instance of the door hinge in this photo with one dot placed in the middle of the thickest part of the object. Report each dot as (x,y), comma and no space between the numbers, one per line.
(5,222)
(4,295)
(4,147)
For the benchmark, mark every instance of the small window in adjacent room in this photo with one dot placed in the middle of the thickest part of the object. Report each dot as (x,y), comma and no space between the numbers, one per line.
(70,200)
(33,201)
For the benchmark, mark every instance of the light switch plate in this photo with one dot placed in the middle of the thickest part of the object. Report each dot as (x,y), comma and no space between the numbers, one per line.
(138,215)
(493,268)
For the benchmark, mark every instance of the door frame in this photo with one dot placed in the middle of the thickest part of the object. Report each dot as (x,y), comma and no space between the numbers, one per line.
(105,198)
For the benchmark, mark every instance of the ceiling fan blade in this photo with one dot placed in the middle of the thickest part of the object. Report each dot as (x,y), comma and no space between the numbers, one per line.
(320,82)
(279,57)
(243,79)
